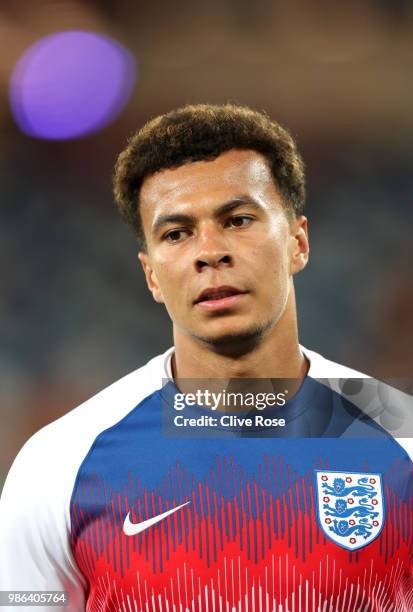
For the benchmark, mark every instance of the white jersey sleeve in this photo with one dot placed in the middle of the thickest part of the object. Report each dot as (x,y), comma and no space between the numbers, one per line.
(35,552)
(34,549)
(389,407)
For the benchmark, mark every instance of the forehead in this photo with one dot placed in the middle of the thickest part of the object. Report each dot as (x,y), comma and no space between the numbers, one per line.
(232,173)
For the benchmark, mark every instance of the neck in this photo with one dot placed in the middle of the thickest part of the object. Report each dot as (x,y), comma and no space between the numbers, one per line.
(277,355)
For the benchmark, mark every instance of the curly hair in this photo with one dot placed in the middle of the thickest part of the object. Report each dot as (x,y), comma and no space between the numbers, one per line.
(202,132)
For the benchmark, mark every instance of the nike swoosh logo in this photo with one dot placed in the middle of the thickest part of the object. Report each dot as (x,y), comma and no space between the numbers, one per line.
(131,529)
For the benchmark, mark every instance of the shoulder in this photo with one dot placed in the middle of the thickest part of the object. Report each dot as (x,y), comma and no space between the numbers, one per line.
(51,457)
(388,406)
(320,367)
(35,552)
(110,405)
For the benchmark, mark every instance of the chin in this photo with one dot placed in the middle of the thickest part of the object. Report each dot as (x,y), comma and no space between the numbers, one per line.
(235,342)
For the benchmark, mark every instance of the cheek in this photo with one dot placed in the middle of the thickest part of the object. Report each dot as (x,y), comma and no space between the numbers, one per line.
(271,257)
(170,261)
(171,275)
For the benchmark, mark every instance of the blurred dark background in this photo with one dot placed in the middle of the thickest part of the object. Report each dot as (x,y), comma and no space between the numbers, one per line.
(75,313)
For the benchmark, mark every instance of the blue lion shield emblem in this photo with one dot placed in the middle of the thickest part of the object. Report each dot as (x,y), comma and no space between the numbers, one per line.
(350,507)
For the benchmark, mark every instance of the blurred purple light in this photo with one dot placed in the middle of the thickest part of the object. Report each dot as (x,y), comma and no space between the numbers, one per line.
(70,84)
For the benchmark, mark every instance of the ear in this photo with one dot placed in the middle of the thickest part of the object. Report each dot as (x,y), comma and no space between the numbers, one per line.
(299,245)
(150,277)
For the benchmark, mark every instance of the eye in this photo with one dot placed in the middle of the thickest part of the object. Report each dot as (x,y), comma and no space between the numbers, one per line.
(175,235)
(239,221)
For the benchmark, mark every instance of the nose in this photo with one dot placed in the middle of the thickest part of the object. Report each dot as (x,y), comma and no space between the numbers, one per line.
(213,251)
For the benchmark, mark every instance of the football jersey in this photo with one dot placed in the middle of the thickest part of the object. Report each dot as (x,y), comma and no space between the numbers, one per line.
(126,513)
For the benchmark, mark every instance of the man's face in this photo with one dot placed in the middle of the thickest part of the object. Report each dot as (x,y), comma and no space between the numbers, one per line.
(221,249)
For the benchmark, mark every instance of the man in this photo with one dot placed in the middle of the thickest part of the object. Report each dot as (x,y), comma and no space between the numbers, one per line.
(128,506)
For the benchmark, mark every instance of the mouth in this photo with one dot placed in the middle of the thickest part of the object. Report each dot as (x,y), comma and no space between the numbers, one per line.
(215,298)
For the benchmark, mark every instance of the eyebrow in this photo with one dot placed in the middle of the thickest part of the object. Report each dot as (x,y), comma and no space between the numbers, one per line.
(223,209)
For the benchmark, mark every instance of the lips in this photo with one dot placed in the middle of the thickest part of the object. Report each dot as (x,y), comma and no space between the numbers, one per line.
(217,293)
